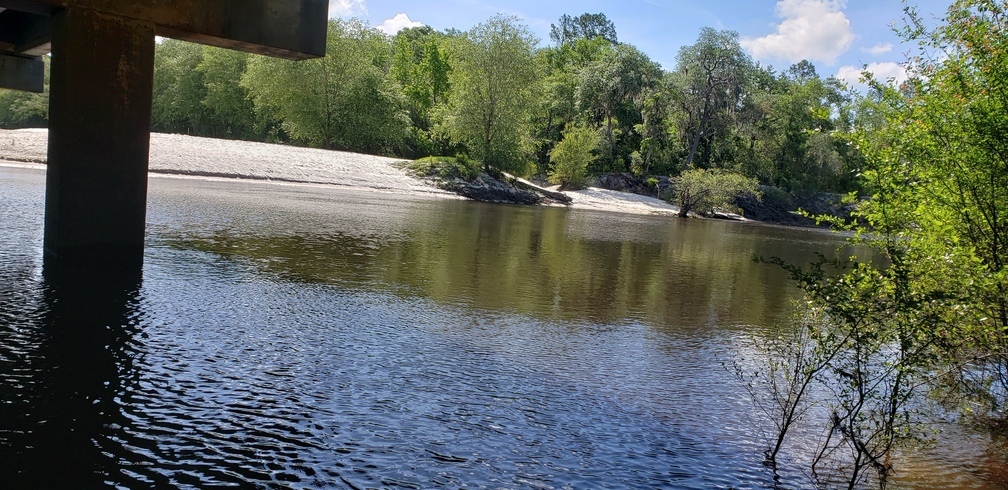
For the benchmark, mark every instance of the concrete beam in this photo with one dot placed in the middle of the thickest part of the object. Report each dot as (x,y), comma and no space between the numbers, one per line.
(30,6)
(18,73)
(40,49)
(25,33)
(100,91)
(293,29)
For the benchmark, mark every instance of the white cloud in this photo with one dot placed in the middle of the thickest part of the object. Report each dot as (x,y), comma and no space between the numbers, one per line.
(816,30)
(346,8)
(883,72)
(879,49)
(397,23)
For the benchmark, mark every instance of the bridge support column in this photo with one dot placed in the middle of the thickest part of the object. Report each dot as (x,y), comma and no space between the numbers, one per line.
(101,84)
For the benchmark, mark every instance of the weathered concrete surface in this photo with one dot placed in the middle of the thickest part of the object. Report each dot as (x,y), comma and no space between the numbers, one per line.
(101,83)
(17,73)
(26,33)
(293,29)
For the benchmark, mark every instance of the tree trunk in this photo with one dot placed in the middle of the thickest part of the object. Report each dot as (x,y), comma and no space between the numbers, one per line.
(609,137)
(701,129)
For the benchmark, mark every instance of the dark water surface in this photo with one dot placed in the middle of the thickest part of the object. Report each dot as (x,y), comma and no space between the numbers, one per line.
(289,336)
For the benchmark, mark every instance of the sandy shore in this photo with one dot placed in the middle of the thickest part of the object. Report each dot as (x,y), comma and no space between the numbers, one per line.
(189,155)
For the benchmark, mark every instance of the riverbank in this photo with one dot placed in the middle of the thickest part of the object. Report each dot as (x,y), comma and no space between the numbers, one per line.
(175,154)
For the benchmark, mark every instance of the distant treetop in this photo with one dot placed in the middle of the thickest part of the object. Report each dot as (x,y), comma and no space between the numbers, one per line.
(584,26)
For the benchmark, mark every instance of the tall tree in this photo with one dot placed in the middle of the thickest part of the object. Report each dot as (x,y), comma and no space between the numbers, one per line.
(420,65)
(611,89)
(929,313)
(952,140)
(584,26)
(656,129)
(754,132)
(802,112)
(712,76)
(492,92)
(558,105)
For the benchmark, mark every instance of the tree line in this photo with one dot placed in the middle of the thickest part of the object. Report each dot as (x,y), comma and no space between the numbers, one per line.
(495,95)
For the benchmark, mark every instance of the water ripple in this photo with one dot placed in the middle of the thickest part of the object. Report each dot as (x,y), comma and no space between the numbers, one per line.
(262,370)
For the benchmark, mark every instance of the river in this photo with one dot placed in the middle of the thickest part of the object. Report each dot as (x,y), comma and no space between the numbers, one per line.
(307,337)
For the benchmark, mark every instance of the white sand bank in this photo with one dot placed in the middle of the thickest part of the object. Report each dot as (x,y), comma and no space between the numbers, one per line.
(190,155)
(619,202)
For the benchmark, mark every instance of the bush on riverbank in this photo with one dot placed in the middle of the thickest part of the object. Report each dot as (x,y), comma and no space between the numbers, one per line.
(776,206)
(707,191)
(571,156)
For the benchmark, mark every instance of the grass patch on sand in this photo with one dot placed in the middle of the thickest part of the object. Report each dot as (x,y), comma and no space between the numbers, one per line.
(444,168)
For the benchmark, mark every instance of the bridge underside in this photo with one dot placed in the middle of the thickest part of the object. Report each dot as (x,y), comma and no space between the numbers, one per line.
(101,77)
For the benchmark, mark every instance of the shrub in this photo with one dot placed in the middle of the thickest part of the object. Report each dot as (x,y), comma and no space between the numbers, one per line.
(571,156)
(702,191)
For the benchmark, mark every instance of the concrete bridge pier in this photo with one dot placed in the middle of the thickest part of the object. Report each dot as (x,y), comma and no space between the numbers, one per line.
(101,83)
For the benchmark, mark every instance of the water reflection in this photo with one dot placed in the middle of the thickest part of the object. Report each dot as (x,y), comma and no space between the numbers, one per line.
(300,337)
(547,263)
(65,365)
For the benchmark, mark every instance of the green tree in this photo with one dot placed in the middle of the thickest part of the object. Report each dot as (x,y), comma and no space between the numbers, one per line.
(929,315)
(179,89)
(949,130)
(493,79)
(656,129)
(610,89)
(584,26)
(229,108)
(343,101)
(754,132)
(558,106)
(703,191)
(712,77)
(805,152)
(421,67)
(571,157)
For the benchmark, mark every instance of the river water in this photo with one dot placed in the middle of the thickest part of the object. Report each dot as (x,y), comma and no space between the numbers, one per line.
(307,337)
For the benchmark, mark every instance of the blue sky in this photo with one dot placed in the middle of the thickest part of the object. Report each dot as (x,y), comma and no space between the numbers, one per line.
(838,36)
